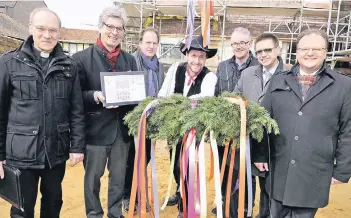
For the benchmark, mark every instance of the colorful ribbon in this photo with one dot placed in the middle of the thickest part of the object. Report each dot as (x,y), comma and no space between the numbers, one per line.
(171,168)
(191,175)
(139,173)
(190,23)
(217,182)
(249,177)
(242,170)
(202,177)
(197,171)
(154,181)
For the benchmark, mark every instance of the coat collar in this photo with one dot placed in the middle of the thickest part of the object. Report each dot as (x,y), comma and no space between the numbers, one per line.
(259,70)
(326,78)
(247,62)
(26,49)
(121,58)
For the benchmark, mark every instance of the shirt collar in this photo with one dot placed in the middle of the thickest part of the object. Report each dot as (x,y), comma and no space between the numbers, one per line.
(305,74)
(247,62)
(272,70)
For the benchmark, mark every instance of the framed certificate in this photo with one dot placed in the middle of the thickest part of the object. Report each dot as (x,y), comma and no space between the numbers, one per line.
(123,88)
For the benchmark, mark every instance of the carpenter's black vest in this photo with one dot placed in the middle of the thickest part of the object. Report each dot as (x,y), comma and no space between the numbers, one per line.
(180,80)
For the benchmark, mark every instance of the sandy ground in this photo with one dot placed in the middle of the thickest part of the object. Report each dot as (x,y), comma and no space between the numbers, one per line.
(73,206)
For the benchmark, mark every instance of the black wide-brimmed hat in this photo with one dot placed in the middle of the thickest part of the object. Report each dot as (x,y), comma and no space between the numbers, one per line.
(197,44)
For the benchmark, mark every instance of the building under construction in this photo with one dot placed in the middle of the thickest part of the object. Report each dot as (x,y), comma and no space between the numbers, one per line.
(285,18)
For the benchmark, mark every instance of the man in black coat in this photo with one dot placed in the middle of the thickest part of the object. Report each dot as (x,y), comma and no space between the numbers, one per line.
(41,114)
(107,137)
(312,105)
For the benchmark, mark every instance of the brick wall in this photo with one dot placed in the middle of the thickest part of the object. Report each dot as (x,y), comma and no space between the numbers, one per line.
(8,44)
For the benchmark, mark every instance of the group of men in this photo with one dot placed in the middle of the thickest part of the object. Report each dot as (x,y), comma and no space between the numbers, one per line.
(51,110)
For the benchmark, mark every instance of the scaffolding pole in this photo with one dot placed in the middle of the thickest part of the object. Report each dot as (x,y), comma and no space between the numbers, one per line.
(329,16)
(223,29)
(348,33)
(336,29)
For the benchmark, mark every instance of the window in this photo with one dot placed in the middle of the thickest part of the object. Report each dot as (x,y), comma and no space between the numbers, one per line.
(72,48)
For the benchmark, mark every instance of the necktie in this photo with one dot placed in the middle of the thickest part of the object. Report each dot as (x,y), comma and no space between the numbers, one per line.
(266,77)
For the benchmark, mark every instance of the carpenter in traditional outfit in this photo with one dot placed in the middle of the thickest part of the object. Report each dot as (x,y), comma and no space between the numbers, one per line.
(191,79)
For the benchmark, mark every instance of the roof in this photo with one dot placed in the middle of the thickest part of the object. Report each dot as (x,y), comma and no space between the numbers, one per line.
(20,10)
(78,35)
(12,28)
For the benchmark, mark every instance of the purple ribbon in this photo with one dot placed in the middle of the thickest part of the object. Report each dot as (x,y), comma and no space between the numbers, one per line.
(191,176)
(154,181)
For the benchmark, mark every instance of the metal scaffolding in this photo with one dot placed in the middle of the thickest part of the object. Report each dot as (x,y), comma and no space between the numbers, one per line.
(329,17)
(333,16)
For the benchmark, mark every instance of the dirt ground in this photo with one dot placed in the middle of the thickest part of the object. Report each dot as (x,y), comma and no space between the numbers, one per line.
(73,203)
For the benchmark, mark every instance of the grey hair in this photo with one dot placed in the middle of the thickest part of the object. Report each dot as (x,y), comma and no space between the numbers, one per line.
(116,12)
(37,10)
(242,30)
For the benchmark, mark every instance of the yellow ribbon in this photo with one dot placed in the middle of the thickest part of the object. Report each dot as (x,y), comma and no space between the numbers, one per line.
(171,168)
(217,180)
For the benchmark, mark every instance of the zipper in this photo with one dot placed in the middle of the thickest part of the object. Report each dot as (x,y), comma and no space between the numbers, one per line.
(29,64)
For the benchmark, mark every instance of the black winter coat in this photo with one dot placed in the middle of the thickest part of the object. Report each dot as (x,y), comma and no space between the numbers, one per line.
(102,124)
(41,113)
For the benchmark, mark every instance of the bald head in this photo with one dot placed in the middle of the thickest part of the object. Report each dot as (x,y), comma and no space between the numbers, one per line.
(44,26)
(37,10)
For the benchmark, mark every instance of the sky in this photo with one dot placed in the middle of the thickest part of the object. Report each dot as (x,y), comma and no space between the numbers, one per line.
(80,14)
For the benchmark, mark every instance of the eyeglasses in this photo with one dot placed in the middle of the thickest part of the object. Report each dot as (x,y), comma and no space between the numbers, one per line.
(51,31)
(265,50)
(304,51)
(111,28)
(239,44)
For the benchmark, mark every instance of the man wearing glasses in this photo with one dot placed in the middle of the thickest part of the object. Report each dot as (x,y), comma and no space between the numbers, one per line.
(41,115)
(107,137)
(228,73)
(312,105)
(253,83)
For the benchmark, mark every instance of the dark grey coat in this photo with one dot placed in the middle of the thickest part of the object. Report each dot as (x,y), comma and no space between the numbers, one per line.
(251,86)
(228,73)
(314,144)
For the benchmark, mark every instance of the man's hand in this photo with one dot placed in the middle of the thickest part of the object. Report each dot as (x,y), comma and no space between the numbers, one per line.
(262,166)
(335,182)
(101,98)
(2,174)
(76,158)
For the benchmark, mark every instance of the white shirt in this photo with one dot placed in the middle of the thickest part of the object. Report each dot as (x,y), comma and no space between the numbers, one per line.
(268,73)
(207,86)
(306,74)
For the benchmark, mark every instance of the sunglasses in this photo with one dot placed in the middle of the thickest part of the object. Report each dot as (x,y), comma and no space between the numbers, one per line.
(265,50)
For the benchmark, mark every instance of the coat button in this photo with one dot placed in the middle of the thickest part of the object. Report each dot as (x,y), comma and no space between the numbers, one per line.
(292,161)
(300,113)
(45,86)
(296,138)
(35,132)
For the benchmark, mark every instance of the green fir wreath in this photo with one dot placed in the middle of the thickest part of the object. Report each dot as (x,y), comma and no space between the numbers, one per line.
(173,117)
